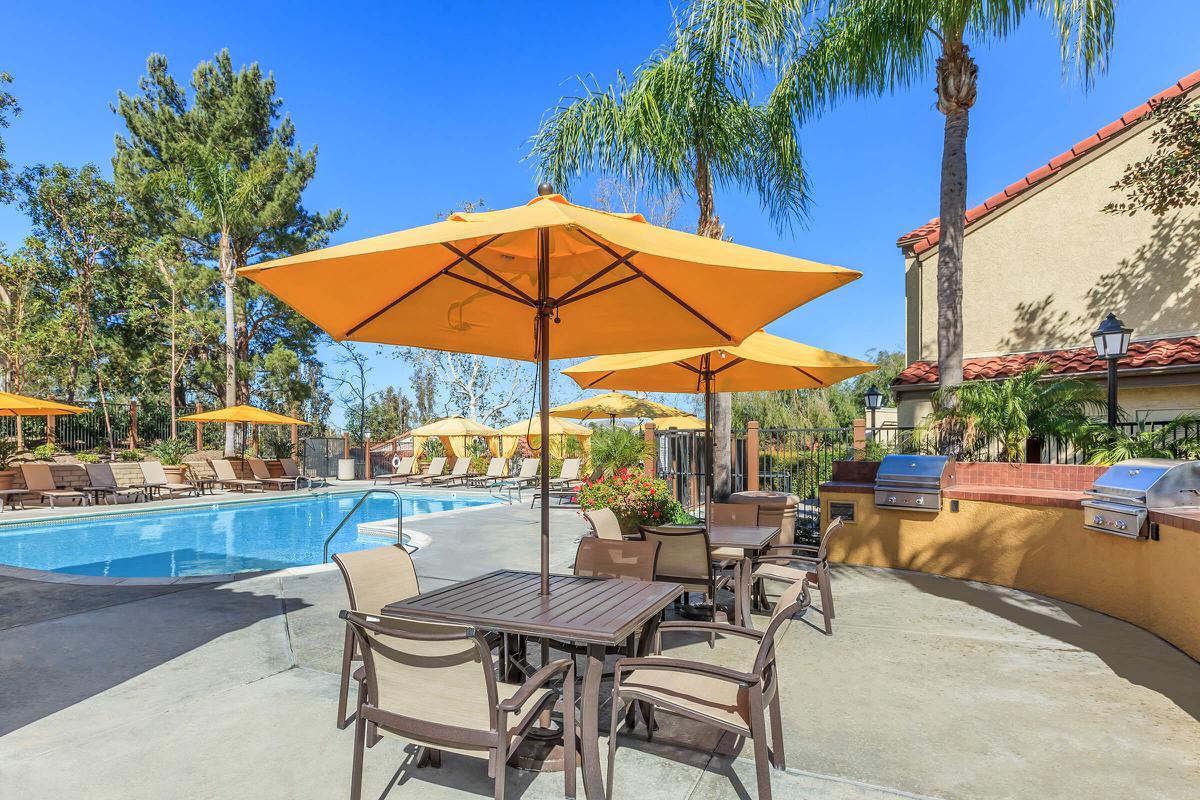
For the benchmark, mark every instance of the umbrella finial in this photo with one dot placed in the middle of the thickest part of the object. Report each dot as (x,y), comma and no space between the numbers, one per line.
(545,188)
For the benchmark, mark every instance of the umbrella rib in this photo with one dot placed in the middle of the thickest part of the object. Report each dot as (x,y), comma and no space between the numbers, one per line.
(598,289)
(686,366)
(735,362)
(620,260)
(656,284)
(417,288)
(592,385)
(467,257)
(805,372)
(522,300)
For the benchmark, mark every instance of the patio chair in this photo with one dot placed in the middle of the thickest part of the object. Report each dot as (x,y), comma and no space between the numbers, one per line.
(526,477)
(804,564)
(101,480)
(156,480)
(229,478)
(685,557)
(292,470)
(568,476)
(732,514)
(495,472)
(459,474)
(373,579)
(262,473)
(401,471)
(435,686)
(436,467)
(39,481)
(726,698)
(605,524)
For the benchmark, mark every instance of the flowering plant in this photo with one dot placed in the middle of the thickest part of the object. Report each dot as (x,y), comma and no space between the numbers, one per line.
(636,498)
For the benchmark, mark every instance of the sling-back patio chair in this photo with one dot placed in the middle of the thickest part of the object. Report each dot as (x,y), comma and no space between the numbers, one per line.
(568,475)
(229,479)
(495,473)
(156,481)
(401,471)
(605,524)
(102,481)
(460,473)
(39,481)
(262,473)
(526,477)
(435,469)
(435,686)
(732,514)
(685,557)
(797,562)
(723,697)
(292,470)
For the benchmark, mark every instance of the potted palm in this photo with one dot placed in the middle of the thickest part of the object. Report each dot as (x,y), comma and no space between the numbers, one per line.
(170,453)
(8,453)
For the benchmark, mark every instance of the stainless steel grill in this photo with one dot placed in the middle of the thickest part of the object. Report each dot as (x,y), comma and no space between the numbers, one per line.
(913,482)
(1120,501)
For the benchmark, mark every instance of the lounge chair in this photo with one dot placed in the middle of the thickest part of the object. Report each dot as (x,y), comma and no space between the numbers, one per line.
(291,470)
(723,697)
(460,474)
(527,477)
(495,472)
(804,564)
(373,579)
(435,686)
(156,481)
(263,474)
(103,482)
(402,471)
(436,467)
(568,476)
(229,478)
(39,481)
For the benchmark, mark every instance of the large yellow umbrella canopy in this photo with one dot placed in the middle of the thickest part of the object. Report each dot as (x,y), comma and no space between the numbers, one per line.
(511,435)
(613,406)
(243,413)
(454,432)
(18,405)
(491,283)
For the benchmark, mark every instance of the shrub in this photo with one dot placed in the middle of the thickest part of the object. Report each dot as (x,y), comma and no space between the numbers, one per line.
(170,451)
(8,452)
(615,449)
(634,497)
(129,455)
(279,448)
(87,458)
(45,452)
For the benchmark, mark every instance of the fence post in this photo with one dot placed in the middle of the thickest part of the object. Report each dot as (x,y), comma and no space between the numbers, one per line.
(651,450)
(752,456)
(50,421)
(367,458)
(860,439)
(133,424)
(199,429)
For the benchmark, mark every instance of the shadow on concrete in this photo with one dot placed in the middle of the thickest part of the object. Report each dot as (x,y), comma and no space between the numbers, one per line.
(111,635)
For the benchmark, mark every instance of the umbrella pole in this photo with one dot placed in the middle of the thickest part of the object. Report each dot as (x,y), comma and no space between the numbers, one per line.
(709,449)
(543,334)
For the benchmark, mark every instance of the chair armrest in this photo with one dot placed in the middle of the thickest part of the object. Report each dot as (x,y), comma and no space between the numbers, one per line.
(786,560)
(536,681)
(713,627)
(683,665)
(791,548)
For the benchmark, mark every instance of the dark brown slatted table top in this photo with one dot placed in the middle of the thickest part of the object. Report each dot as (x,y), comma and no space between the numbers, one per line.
(747,537)
(578,609)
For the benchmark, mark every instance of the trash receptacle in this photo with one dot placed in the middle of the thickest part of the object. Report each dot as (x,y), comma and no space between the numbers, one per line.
(774,508)
(345,469)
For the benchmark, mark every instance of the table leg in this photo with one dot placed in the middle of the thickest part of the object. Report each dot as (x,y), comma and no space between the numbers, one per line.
(589,723)
(742,601)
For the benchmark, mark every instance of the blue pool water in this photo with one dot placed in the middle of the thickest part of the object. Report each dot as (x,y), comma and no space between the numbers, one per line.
(208,540)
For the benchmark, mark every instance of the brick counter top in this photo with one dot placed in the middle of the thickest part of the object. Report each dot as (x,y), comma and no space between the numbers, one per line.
(1186,518)
(1020,495)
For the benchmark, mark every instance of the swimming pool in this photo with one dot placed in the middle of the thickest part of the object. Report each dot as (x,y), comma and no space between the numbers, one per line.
(209,539)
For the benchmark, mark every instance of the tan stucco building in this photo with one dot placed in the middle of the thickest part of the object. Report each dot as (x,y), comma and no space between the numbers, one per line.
(1043,265)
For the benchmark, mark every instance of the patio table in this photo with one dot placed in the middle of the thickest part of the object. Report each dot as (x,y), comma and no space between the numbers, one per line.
(750,539)
(595,612)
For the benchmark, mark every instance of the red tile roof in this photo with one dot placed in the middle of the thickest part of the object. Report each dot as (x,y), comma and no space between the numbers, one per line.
(926,236)
(1182,351)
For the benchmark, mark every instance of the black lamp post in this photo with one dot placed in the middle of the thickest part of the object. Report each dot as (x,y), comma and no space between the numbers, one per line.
(1112,342)
(874,401)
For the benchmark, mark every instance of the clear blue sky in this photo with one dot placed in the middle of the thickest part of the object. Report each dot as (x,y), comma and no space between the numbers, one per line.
(422,106)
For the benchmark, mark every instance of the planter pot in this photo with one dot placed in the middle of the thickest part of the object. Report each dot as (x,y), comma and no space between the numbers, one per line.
(6,478)
(174,472)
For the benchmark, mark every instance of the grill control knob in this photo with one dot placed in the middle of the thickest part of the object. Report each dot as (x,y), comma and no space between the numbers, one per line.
(1097,520)
(1121,524)
(920,501)
(892,499)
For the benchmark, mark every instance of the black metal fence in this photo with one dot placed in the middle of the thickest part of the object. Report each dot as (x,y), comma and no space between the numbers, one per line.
(89,431)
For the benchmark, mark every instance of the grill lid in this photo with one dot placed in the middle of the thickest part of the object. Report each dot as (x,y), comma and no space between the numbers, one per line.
(912,470)
(1150,482)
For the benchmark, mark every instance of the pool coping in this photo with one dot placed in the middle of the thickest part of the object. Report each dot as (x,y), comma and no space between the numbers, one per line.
(50,576)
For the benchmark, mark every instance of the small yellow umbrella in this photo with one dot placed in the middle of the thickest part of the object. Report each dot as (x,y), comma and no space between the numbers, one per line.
(687,422)
(18,405)
(244,414)
(511,435)
(614,406)
(454,432)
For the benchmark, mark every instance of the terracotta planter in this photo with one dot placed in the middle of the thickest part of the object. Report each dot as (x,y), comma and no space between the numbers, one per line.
(6,478)
(174,472)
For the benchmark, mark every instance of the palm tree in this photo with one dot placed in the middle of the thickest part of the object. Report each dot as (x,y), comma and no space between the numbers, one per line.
(225,197)
(872,46)
(1021,413)
(614,449)
(1179,438)
(688,121)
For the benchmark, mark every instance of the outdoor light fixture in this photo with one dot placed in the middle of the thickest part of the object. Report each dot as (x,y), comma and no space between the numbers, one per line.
(874,401)
(1112,342)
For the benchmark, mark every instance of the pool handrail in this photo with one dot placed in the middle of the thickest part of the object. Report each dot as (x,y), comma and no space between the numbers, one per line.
(361,500)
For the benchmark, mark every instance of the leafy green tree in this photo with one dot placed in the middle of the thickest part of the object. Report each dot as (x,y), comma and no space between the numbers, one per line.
(1168,178)
(389,413)
(690,120)
(865,47)
(615,448)
(8,109)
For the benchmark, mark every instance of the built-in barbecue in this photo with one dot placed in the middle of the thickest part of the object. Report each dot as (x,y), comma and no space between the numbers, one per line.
(913,482)
(1121,499)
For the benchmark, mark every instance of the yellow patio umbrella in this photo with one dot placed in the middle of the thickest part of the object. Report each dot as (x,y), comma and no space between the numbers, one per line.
(762,362)
(453,432)
(244,414)
(492,283)
(613,406)
(18,405)
(686,422)
(511,435)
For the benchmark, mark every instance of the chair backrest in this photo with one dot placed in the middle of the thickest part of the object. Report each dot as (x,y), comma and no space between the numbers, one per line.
(683,553)
(403,657)
(289,467)
(101,475)
(496,467)
(152,471)
(734,514)
(436,466)
(529,467)
(570,470)
(602,558)
(605,524)
(833,527)
(793,601)
(461,466)
(377,577)
(221,466)
(38,477)
(402,466)
(259,468)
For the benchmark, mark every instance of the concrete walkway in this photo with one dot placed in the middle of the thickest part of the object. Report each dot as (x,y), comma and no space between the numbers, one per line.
(928,688)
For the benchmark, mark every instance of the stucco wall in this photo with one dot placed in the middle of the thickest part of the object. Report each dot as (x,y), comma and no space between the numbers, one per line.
(1046,550)
(1042,271)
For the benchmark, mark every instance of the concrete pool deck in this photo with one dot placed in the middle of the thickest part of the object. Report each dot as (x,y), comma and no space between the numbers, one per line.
(929,687)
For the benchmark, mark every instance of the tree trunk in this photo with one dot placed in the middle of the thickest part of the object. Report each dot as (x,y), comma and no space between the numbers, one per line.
(956,85)
(174,370)
(227,277)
